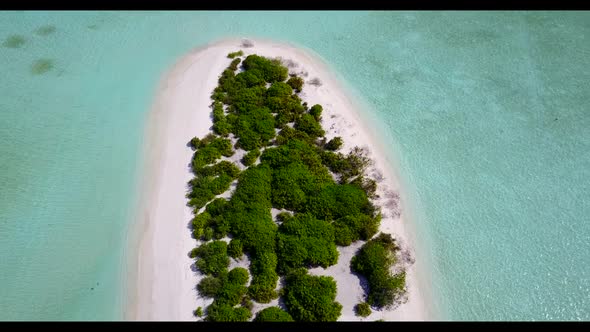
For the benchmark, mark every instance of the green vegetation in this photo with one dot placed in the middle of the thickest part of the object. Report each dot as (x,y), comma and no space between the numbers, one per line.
(316,112)
(250,157)
(311,298)
(212,258)
(235,54)
(209,286)
(362,309)
(14,41)
(199,312)
(296,172)
(273,314)
(212,181)
(226,288)
(235,248)
(308,124)
(234,64)
(271,70)
(209,149)
(217,312)
(296,83)
(304,241)
(348,167)
(334,144)
(374,261)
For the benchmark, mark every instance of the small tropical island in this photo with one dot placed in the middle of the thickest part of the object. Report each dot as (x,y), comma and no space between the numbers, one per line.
(296,200)
(283,202)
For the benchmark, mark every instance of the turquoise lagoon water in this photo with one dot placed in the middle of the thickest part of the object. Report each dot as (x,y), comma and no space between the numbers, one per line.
(486,113)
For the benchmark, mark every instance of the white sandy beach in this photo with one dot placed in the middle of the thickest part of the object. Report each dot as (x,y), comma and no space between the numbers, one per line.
(164,285)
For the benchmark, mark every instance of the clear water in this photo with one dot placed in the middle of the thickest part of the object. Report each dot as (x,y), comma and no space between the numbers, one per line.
(487,113)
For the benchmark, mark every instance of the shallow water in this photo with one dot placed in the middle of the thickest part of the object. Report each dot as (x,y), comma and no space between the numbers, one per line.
(487,113)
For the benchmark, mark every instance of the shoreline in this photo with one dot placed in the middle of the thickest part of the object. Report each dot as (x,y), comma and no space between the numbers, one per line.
(160,229)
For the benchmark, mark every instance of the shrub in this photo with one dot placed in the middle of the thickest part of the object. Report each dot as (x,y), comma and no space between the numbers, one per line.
(287,186)
(334,144)
(374,261)
(209,286)
(207,234)
(218,113)
(215,208)
(362,309)
(255,129)
(311,298)
(194,143)
(309,125)
(264,276)
(263,292)
(201,220)
(213,258)
(238,275)
(356,227)
(254,186)
(284,216)
(247,303)
(316,112)
(222,167)
(210,150)
(280,89)
(338,200)
(251,78)
(272,69)
(204,189)
(334,161)
(296,83)
(356,162)
(368,185)
(234,64)
(230,293)
(226,313)
(250,157)
(273,314)
(222,128)
(199,312)
(305,241)
(235,54)
(235,248)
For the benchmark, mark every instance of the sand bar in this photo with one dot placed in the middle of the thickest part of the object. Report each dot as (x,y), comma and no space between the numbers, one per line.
(163,285)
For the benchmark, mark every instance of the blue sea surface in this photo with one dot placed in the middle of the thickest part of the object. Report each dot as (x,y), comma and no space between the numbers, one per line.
(486,113)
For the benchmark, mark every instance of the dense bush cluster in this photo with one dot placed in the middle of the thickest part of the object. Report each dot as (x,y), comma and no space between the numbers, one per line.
(228,289)
(362,309)
(225,313)
(235,54)
(296,83)
(334,144)
(374,261)
(211,181)
(273,314)
(209,149)
(296,172)
(250,157)
(311,298)
(212,258)
(304,241)
(235,248)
